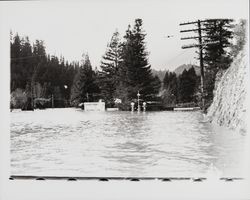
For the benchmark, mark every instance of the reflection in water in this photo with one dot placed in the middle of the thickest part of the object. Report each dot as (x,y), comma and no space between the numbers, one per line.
(77,143)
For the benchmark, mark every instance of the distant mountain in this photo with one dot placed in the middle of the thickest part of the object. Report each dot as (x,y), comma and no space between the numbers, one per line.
(159,73)
(178,70)
(181,68)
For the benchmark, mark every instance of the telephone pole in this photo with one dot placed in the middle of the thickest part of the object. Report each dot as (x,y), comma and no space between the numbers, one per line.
(201,66)
(200,45)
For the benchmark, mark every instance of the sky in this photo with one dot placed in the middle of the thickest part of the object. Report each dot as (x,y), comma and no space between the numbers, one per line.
(71,28)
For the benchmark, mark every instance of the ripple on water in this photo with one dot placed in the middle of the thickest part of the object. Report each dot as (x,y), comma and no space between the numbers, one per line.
(74,142)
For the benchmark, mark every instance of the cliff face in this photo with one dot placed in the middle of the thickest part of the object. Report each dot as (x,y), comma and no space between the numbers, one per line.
(229,104)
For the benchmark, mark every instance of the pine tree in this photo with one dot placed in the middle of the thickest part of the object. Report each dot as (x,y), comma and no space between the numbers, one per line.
(84,88)
(135,72)
(39,51)
(108,76)
(216,57)
(170,90)
(170,81)
(16,69)
(25,56)
(187,86)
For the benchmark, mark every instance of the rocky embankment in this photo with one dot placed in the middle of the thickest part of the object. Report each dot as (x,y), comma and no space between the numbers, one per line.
(229,104)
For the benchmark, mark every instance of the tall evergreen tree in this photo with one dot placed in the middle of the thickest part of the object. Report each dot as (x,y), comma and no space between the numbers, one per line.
(216,57)
(108,76)
(39,61)
(16,69)
(135,72)
(25,56)
(84,88)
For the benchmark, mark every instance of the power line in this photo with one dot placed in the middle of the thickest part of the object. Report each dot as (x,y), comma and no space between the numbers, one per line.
(192,30)
(26,57)
(197,37)
(200,45)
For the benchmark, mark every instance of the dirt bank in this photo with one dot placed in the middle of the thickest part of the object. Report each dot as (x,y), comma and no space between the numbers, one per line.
(229,104)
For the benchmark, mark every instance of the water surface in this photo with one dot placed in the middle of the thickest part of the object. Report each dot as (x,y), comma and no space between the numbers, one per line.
(72,142)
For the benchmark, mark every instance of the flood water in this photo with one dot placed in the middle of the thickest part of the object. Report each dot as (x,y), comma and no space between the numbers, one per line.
(72,142)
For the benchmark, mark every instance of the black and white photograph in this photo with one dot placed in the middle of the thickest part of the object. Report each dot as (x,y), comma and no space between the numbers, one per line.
(126,92)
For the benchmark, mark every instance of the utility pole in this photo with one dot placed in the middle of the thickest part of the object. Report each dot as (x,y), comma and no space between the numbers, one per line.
(200,45)
(201,66)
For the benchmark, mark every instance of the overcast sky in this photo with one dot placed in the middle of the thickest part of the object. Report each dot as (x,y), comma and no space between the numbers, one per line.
(75,27)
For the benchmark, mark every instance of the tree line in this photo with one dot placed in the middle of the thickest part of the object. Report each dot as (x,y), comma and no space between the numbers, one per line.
(181,89)
(124,70)
(231,39)
(36,74)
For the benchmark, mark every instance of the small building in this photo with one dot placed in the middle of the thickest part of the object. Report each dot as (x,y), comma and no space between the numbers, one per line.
(94,106)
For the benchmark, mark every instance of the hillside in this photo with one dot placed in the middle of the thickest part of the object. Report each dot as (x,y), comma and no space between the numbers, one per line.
(229,104)
(159,73)
(181,68)
(178,70)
